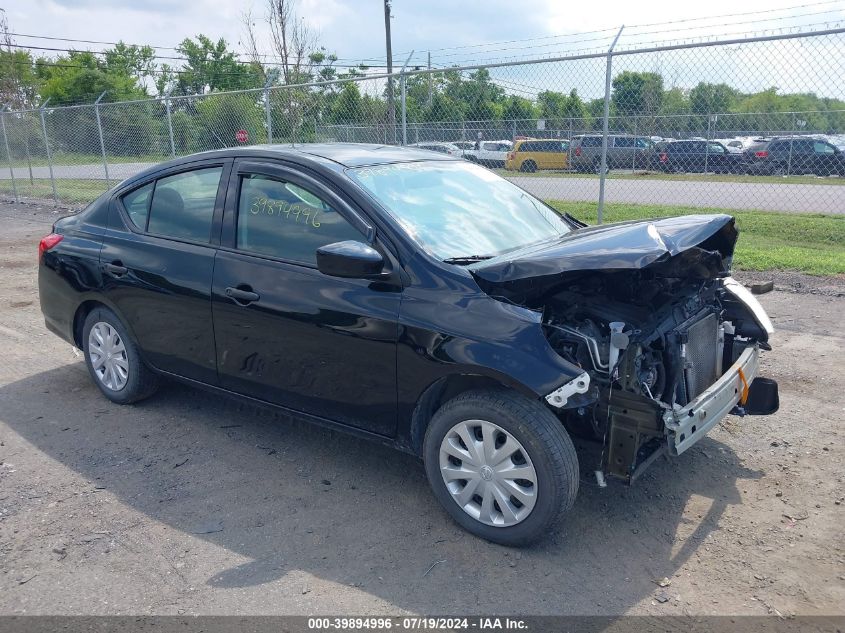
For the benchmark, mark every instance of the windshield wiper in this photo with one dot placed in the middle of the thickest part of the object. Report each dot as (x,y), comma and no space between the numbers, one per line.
(575,221)
(466,259)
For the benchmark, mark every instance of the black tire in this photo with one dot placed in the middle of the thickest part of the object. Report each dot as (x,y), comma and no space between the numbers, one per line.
(141,381)
(528,166)
(543,438)
(597,167)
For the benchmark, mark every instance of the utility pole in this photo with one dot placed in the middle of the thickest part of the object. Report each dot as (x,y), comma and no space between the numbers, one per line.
(391,110)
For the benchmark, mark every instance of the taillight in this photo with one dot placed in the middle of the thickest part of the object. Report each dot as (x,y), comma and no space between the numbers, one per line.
(664,157)
(577,151)
(761,154)
(47,243)
(511,155)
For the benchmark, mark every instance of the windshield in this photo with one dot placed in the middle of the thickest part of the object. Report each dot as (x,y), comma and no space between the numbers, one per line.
(458,210)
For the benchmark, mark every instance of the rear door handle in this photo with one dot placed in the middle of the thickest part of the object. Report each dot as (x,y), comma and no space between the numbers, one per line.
(116,269)
(242,296)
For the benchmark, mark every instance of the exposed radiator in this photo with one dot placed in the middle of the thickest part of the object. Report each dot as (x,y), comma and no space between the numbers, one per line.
(703,355)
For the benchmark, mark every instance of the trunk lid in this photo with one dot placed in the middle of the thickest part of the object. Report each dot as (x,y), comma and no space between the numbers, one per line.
(693,246)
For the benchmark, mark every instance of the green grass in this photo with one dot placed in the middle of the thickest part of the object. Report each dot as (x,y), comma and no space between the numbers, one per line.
(74,191)
(808,243)
(731,178)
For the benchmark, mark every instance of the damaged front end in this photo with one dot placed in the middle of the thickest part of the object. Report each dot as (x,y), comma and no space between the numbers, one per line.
(668,342)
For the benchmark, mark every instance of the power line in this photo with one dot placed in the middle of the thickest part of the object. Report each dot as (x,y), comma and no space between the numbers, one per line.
(634,26)
(513,41)
(173,58)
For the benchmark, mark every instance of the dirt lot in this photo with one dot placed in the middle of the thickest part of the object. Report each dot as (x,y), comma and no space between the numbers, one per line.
(191,503)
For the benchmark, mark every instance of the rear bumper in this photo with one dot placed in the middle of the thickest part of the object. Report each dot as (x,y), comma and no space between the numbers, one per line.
(687,425)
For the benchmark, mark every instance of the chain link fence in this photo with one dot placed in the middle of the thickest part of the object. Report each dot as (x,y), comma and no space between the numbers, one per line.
(741,124)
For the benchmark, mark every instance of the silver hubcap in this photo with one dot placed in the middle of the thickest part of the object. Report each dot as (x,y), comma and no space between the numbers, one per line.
(488,473)
(108,356)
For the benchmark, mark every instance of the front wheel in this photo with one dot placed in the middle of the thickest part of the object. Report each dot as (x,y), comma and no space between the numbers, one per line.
(113,360)
(501,465)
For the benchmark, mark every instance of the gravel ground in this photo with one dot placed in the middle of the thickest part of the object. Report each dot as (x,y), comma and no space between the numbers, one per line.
(191,503)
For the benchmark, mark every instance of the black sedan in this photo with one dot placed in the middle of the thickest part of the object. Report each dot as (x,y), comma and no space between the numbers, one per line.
(420,301)
(698,157)
(795,155)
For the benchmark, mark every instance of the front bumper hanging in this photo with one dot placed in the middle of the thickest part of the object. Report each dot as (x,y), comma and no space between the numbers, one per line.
(687,425)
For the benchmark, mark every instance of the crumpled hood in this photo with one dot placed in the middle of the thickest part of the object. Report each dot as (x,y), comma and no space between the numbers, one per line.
(702,241)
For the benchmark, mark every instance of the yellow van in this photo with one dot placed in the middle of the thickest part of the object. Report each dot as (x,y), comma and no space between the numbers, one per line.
(529,155)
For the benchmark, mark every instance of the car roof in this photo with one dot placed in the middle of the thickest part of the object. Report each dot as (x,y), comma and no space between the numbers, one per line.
(332,155)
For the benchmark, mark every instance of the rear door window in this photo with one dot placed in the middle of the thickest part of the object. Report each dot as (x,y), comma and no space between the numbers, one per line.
(623,141)
(183,204)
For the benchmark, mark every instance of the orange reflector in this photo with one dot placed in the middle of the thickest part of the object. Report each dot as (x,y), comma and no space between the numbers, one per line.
(744,397)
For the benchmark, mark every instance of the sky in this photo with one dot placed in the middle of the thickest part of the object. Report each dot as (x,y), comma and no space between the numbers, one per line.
(449,29)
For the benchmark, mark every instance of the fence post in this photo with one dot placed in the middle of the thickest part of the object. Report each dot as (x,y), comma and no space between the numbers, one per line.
(28,156)
(41,111)
(268,110)
(605,125)
(791,139)
(8,153)
(404,105)
(404,111)
(100,130)
(170,121)
(634,153)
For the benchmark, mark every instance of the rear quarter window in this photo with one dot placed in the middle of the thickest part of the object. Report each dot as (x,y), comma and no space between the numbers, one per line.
(137,205)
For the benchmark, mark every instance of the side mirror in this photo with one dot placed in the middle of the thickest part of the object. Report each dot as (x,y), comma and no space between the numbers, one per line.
(349,259)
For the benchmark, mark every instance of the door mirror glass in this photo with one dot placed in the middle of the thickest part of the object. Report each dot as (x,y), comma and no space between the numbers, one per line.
(349,259)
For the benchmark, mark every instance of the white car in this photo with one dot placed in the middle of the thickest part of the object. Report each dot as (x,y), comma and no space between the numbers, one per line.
(443,148)
(490,153)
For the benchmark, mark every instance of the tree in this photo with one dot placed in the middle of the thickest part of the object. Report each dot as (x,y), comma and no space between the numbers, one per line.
(517,108)
(637,93)
(130,60)
(347,105)
(211,67)
(19,84)
(560,109)
(480,98)
(219,117)
(80,77)
(708,98)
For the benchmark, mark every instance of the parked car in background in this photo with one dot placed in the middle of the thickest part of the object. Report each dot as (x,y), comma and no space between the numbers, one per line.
(529,155)
(795,155)
(489,153)
(624,151)
(450,149)
(697,157)
(418,301)
(464,146)
(731,144)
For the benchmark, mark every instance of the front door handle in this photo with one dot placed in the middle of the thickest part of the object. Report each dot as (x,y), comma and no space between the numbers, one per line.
(241,295)
(116,269)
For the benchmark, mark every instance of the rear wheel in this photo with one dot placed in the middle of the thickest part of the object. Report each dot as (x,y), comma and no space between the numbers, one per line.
(501,465)
(597,167)
(113,360)
(528,166)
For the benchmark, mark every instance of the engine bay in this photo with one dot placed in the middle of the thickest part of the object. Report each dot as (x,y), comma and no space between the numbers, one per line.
(650,342)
